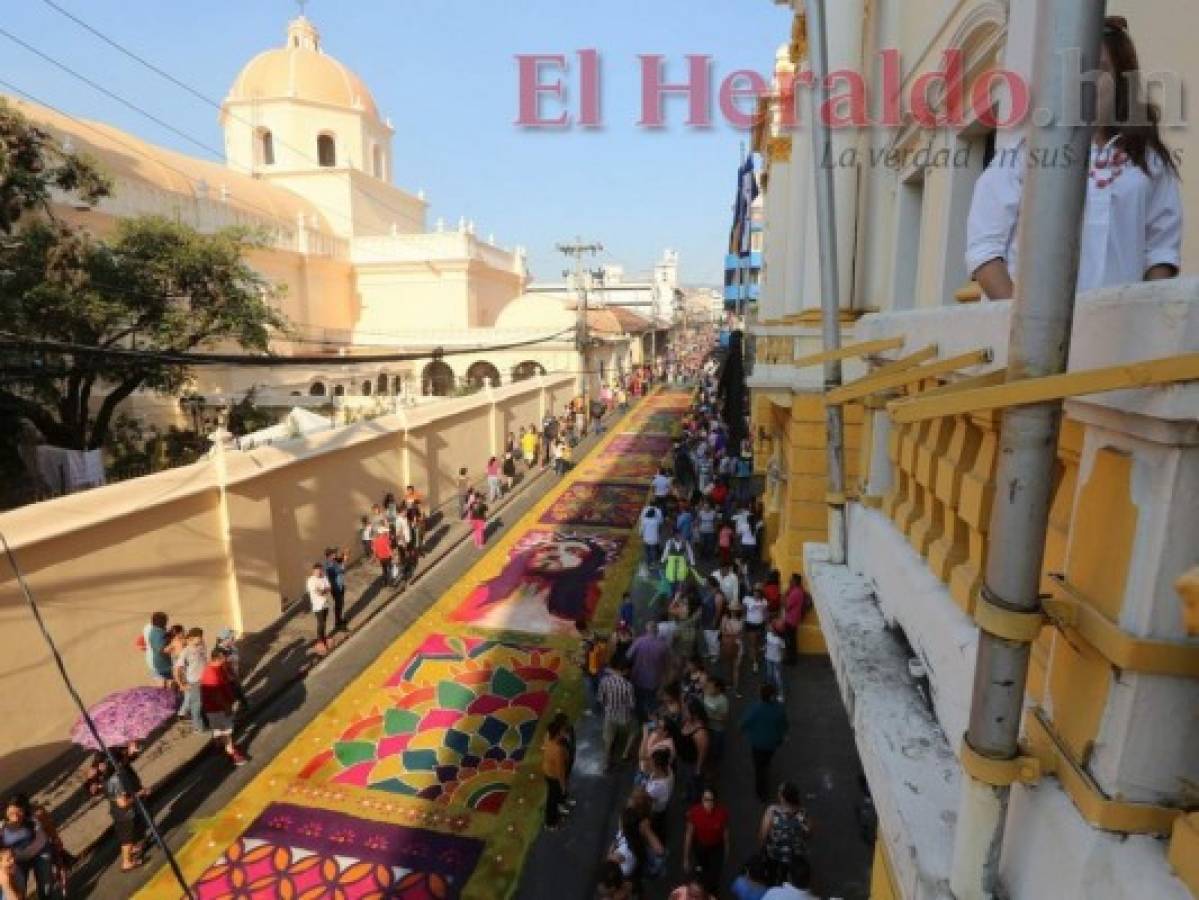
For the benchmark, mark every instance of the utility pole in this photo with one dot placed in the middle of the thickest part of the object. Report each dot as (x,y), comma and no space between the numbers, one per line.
(578,250)
(1051,213)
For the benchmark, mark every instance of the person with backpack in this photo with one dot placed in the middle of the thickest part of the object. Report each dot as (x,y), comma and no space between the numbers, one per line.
(678,560)
(783,832)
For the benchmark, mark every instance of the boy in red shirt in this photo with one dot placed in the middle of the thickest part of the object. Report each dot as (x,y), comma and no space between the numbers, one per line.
(216,697)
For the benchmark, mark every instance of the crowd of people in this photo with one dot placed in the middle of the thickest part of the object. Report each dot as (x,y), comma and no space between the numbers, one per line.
(665,697)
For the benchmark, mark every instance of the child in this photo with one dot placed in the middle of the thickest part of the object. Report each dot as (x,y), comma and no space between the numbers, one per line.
(217,697)
(227,641)
(776,646)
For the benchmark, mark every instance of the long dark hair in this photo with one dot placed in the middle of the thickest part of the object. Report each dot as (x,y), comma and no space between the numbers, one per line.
(1137,119)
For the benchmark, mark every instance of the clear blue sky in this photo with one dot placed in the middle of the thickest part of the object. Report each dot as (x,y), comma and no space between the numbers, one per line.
(444,72)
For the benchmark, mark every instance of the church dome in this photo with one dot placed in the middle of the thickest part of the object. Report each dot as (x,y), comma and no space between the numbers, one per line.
(300,70)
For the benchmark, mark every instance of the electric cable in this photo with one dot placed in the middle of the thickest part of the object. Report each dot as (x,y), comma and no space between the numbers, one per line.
(15,342)
(117,768)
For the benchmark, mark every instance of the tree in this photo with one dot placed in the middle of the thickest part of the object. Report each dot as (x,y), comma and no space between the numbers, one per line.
(33,165)
(157,285)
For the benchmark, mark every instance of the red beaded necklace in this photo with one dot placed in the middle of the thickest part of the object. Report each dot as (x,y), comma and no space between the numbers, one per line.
(1108,165)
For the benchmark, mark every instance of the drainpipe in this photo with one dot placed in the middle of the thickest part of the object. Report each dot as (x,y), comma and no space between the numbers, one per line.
(1051,214)
(830,285)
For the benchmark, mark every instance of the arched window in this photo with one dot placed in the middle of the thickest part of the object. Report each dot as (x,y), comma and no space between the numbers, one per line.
(382,385)
(437,380)
(317,389)
(366,389)
(526,370)
(339,390)
(326,150)
(482,374)
(265,151)
(377,161)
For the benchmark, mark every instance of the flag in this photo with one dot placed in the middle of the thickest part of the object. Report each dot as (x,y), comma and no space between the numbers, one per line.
(747,192)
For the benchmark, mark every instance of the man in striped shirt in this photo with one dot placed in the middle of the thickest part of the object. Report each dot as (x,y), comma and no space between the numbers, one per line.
(618,701)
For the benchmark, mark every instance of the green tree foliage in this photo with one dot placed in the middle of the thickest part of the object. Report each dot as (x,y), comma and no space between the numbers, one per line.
(155,285)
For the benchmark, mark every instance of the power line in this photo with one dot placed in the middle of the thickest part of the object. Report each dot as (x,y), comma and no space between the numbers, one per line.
(111,94)
(215,104)
(170,357)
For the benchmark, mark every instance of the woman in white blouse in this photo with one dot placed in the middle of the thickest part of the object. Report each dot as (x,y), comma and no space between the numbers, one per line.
(1132,229)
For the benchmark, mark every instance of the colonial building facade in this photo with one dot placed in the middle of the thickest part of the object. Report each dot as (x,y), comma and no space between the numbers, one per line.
(1100,795)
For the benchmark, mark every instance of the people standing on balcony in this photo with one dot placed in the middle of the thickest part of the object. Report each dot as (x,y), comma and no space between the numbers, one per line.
(1132,227)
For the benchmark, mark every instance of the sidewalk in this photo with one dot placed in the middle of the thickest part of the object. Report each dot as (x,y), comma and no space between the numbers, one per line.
(273,660)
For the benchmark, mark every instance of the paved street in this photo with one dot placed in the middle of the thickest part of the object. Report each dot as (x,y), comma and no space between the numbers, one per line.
(819,756)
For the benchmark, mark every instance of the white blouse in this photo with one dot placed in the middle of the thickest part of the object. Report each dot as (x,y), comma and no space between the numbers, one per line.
(1132,222)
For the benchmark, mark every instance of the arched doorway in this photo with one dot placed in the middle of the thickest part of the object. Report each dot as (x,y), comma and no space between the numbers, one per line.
(526,370)
(381,385)
(317,389)
(339,390)
(437,380)
(366,389)
(482,374)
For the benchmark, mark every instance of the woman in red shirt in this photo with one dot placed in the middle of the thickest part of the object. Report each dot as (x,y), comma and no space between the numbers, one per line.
(706,841)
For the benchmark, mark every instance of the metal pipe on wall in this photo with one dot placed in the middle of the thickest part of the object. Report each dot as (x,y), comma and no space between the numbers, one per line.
(1051,216)
(830,283)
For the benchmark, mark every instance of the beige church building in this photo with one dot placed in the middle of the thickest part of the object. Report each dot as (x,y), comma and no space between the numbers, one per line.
(308,162)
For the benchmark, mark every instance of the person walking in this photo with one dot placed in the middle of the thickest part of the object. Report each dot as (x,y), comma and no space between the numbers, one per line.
(553,768)
(649,660)
(493,480)
(381,550)
(154,637)
(509,470)
(189,668)
(783,832)
(716,705)
(528,446)
(478,521)
(706,839)
(319,594)
(732,645)
(765,727)
(651,534)
(335,572)
(775,648)
(122,786)
(618,701)
(755,623)
(217,696)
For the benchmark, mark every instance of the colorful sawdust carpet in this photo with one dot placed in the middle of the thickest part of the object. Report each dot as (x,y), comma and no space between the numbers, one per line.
(596,504)
(462,715)
(656,445)
(302,853)
(552,579)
